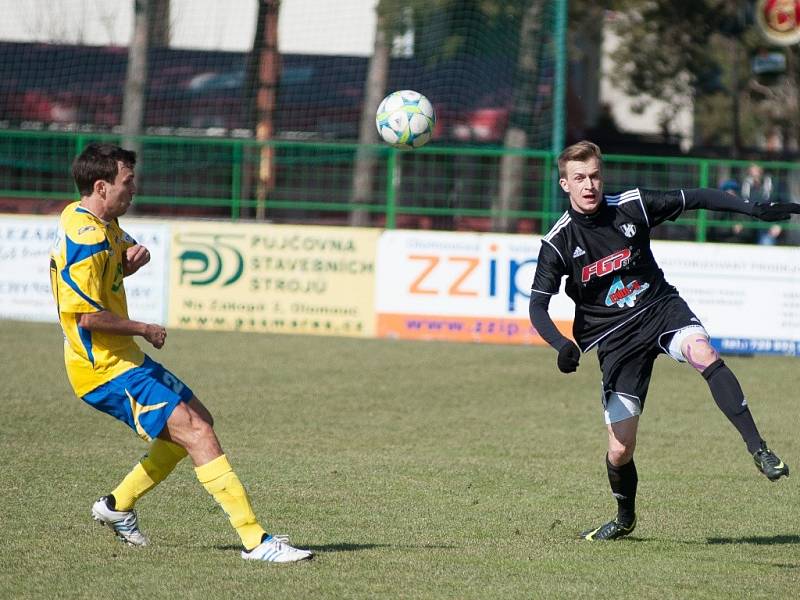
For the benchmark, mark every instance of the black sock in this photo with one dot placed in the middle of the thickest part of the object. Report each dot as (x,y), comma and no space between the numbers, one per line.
(623,480)
(729,397)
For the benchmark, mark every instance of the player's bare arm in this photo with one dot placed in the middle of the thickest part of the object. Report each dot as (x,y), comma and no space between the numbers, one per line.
(108,322)
(134,259)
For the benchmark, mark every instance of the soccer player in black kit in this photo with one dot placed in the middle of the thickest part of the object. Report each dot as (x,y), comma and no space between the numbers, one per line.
(626,309)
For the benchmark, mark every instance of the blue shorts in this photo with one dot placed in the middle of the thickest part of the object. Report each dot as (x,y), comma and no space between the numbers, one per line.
(143,398)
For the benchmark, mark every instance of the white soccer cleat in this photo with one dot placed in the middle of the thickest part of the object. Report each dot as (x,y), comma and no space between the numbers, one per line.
(277,550)
(123,522)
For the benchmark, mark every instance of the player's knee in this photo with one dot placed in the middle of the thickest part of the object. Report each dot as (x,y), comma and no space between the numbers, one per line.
(621,446)
(203,429)
(708,354)
(198,434)
(620,454)
(700,353)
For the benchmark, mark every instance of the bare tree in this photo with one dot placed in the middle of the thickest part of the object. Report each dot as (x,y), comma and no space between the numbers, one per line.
(261,96)
(150,28)
(133,101)
(366,160)
(512,165)
(160,25)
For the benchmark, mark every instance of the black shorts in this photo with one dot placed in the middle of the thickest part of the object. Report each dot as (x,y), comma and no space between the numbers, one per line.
(627,355)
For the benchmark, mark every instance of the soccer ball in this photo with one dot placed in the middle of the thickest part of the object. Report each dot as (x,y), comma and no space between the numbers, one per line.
(405,119)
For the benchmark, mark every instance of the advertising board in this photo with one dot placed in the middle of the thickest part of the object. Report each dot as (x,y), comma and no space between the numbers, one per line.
(748,297)
(25,294)
(273,278)
(459,287)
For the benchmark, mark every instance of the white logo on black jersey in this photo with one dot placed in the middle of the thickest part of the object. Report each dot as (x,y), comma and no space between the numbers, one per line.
(578,252)
(629,229)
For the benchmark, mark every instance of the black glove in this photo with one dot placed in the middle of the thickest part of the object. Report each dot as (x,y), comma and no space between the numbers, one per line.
(568,357)
(775,211)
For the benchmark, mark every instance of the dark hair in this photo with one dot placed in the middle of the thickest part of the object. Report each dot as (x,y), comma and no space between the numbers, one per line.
(583,150)
(98,162)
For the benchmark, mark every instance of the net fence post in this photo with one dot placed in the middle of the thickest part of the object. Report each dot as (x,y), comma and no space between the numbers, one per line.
(392,182)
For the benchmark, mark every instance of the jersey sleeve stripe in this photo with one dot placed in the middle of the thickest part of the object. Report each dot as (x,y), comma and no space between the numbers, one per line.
(559,225)
(67,277)
(562,222)
(86,340)
(77,252)
(533,291)
(633,195)
(680,210)
(629,196)
(644,210)
(556,249)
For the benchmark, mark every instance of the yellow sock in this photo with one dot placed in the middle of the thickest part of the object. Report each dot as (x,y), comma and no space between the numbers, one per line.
(222,483)
(151,470)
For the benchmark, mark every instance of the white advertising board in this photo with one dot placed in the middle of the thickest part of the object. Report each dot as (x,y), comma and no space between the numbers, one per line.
(748,297)
(147,289)
(25,244)
(476,287)
(459,286)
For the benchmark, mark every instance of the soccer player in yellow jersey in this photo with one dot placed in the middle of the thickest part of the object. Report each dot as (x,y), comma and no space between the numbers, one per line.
(107,369)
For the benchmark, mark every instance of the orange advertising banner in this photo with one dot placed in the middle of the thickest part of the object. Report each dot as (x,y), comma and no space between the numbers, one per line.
(464,287)
(491,330)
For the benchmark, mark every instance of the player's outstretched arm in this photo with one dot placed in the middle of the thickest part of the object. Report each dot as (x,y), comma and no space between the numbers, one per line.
(107,322)
(134,259)
(711,199)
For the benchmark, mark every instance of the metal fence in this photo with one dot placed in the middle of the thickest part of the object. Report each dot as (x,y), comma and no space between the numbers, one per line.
(432,187)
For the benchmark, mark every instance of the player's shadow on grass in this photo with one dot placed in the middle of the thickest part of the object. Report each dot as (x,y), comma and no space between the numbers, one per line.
(343,547)
(767,540)
(356,547)
(323,547)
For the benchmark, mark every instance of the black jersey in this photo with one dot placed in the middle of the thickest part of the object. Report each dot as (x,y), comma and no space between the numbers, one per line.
(606,257)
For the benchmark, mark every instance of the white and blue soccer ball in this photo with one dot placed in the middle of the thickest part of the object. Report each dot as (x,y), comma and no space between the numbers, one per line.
(405,119)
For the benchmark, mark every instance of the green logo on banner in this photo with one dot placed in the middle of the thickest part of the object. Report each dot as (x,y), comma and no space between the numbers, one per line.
(209,259)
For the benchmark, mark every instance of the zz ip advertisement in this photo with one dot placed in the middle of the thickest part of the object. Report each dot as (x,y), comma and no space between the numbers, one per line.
(460,287)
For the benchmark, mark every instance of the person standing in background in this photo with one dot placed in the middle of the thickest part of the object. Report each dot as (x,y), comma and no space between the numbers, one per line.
(757,186)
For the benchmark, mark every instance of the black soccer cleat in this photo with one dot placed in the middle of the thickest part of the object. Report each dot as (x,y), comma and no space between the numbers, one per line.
(770,464)
(613,530)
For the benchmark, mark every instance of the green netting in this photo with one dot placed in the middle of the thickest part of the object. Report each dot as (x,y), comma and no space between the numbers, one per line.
(432,187)
(464,55)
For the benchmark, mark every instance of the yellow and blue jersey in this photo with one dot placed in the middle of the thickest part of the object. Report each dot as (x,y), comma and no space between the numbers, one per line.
(86,276)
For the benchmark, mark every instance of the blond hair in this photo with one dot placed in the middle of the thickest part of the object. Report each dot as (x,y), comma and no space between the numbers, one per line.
(582,151)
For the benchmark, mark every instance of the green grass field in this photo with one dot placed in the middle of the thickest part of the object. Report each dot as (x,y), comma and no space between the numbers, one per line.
(414,470)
